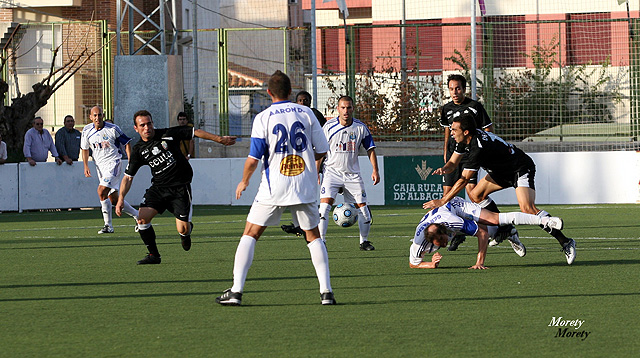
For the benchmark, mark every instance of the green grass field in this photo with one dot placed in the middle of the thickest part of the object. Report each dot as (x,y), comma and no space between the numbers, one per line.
(67,292)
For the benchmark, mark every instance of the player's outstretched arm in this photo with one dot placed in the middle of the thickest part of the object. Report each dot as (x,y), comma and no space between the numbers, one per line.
(449,166)
(224,140)
(125,185)
(483,242)
(250,166)
(455,189)
(85,161)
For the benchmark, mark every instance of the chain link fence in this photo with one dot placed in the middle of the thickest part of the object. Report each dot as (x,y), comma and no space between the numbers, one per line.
(566,84)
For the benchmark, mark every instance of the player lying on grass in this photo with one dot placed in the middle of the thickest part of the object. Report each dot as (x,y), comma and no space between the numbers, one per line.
(441,224)
(506,165)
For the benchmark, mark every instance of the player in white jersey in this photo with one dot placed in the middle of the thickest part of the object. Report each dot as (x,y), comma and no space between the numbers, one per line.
(104,139)
(441,224)
(288,139)
(342,170)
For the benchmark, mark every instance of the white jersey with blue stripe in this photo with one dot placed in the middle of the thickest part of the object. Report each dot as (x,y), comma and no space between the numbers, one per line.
(104,143)
(344,143)
(286,137)
(457,215)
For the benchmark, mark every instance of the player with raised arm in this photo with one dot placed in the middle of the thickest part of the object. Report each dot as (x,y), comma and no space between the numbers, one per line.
(506,166)
(288,139)
(104,140)
(342,169)
(438,227)
(171,179)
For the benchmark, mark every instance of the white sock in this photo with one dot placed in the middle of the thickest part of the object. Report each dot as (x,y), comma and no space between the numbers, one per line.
(364,223)
(243,261)
(320,260)
(106,211)
(324,210)
(517,218)
(130,210)
(543,213)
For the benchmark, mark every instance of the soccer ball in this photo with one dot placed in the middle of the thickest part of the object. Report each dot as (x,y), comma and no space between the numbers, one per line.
(345,215)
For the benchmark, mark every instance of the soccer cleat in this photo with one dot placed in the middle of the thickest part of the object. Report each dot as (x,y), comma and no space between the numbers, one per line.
(569,250)
(455,242)
(554,223)
(229,298)
(185,240)
(517,246)
(150,260)
(292,229)
(106,230)
(327,298)
(502,234)
(366,246)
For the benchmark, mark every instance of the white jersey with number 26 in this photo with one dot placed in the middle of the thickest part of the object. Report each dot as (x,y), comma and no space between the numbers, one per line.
(286,137)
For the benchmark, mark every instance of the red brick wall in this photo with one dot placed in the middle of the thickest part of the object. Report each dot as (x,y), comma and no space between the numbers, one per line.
(6,15)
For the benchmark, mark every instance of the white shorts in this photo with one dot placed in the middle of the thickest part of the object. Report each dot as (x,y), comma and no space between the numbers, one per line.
(351,183)
(109,175)
(465,209)
(307,215)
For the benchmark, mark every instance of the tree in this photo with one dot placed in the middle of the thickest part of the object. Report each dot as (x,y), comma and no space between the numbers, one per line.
(16,118)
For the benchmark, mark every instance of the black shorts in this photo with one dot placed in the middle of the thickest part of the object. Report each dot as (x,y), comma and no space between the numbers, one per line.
(176,199)
(451,178)
(523,177)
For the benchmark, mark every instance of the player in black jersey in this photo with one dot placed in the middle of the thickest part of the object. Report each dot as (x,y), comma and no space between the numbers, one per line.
(506,166)
(461,104)
(171,178)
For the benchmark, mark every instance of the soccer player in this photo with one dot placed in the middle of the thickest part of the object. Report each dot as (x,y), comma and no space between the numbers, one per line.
(506,166)
(288,139)
(342,170)
(104,140)
(440,225)
(303,98)
(171,179)
(461,104)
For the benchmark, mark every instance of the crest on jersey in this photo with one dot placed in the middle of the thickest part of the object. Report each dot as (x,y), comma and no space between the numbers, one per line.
(352,136)
(164,145)
(155,151)
(292,165)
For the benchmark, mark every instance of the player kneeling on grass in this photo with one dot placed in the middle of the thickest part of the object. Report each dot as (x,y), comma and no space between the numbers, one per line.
(441,224)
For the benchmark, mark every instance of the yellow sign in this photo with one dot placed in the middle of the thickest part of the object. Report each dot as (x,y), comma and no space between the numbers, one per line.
(292,165)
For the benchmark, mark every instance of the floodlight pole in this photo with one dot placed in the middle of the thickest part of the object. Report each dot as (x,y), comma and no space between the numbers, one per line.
(474,58)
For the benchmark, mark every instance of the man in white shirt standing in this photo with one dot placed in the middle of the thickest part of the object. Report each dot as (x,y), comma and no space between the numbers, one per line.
(288,139)
(342,170)
(104,139)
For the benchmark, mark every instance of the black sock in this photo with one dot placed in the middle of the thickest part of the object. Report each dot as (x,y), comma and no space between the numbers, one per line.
(563,240)
(492,207)
(557,234)
(148,236)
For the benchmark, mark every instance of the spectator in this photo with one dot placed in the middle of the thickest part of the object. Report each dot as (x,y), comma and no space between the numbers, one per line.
(187,146)
(68,141)
(3,151)
(37,143)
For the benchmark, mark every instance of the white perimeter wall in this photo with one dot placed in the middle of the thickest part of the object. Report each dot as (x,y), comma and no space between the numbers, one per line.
(561,178)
